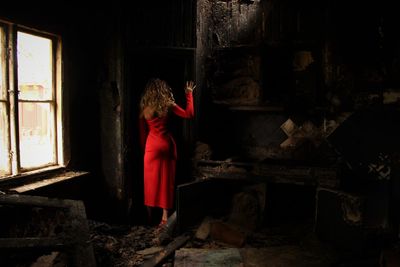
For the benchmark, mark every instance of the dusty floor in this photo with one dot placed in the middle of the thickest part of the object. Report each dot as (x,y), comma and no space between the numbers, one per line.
(287,245)
(118,245)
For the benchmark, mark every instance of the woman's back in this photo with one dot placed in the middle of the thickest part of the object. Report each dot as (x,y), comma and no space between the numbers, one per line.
(149,113)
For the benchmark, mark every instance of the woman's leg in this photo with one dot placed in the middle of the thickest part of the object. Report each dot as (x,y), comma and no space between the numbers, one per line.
(149,215)
(164,217)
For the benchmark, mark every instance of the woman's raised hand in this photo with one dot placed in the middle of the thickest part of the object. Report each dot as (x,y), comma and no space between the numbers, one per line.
(189,86)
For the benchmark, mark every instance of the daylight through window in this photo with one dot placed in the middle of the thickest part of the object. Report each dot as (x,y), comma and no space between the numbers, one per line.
(30,103)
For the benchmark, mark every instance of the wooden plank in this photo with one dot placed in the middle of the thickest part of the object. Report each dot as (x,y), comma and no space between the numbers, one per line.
(74,238)
(288,256)
(82,252)
(24,200)
(301,175)
(208,257)
(32,242)
(166,252)
(167,230)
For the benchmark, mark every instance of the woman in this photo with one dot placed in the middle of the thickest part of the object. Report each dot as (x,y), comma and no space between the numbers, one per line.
(159,146)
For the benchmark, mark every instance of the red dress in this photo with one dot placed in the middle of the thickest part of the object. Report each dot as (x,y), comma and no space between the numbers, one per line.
(160,157)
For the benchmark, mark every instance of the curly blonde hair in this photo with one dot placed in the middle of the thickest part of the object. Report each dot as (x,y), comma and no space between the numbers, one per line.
(157,95)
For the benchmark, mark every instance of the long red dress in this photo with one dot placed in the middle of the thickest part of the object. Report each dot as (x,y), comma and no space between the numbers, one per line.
(160,157)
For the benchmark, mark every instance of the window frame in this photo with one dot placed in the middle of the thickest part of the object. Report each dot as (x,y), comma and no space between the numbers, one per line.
(5,101)
(10,31)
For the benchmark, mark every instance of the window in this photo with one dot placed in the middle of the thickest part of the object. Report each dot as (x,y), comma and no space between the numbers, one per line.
(30,100)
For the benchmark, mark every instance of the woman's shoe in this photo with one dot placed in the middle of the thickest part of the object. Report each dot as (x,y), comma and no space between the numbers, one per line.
(160,227)
(162,223)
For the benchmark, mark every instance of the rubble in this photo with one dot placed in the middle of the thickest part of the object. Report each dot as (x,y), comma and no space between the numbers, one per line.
(121,245)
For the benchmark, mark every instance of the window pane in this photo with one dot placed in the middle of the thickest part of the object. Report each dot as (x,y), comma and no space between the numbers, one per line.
(35,79)
(4,148)
(2,65)
(36,135)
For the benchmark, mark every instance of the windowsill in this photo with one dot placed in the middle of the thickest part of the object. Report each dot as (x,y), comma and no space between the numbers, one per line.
(49,181)
(24,175)
(38,179)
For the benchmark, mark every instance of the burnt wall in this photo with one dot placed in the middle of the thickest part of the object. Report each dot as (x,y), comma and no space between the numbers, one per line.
(260,68)
(310,62)
(363,55)
(313,82)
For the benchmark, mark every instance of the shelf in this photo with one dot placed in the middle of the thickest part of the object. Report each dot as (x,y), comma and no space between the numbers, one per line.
(301,174)
(268,44)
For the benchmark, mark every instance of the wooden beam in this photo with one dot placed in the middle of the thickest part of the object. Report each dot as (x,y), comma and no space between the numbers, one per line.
(75,238)
(32,242)
(274,173)
(166,252)
(24,200)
